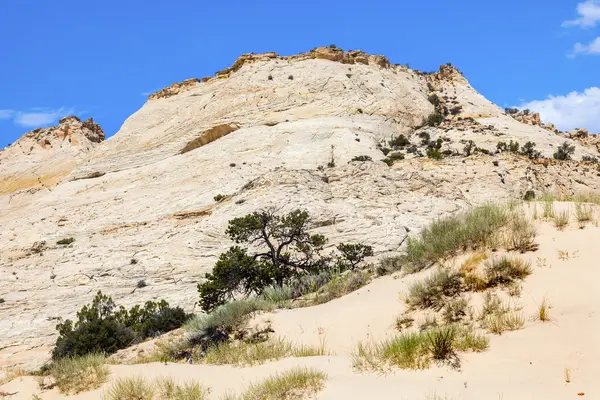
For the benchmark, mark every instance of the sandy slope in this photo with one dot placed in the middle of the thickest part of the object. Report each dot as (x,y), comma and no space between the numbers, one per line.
(527,364)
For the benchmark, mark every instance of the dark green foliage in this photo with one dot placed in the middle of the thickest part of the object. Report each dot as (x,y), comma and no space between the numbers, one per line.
(440,342)
(529,150)
(425,137)
(219,197)
(282,249)
(455,110)
(2,300)
(469,148)
(590,159)
(291,77)
(564,152)
(511,110)
(141,284)
(434,119)
(66,241)
(362,158)
(434,99)
(100,328)
(434,153)
(512,147)
(392,157)
(399,141)
(352,255)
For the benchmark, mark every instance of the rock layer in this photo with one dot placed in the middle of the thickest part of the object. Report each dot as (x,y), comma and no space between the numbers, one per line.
(269,132)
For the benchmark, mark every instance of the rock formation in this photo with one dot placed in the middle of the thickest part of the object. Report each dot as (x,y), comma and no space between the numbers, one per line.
(270,131)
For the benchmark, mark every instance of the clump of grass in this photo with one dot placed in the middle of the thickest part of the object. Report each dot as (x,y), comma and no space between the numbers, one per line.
(168,390)
(135,388)
(247,353)
(416,350)
(404,322)
(280,296)
(440,343)
(584,213)
(505,270)
(340,285)
(294,384)
(435,289)
(77,374)
(500,322)
(65,241)
(543,311)
(227,317)
(455,310)
(469,270)
(561,219)
(549,209)
(520,233)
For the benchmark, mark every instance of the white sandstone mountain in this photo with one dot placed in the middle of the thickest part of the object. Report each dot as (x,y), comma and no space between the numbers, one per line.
(270,131)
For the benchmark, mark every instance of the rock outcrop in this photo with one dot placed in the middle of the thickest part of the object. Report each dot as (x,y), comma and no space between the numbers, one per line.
(269,131)
(45,156)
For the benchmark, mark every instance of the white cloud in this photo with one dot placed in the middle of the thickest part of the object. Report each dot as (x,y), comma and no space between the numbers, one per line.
(591,48)
(589,15)
(574,110)
(40,118)
(6,114)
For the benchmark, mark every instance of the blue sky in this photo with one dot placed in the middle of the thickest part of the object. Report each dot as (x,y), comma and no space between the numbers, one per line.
(98,58)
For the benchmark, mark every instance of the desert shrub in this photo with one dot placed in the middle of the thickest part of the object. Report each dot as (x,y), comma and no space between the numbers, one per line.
(584,212)
(289,385)
(425,138)
(141,284)
(561,219)
(505,270)
(529,150)
(447,236)
(282,249)
(169,390)
(136,388)
(469,148)
(387,265)
(100,328)
(467,339)
(543,311)
(77,374)
(501,322)
(434,99)
(279,296)
(362,158)
(511,110)
(340,285)
(2,300)
(392,157)
(520,233)
(399,141)
(455,310)
(511,147)
(244,353)
(440,343)
(65,241)
(352,255)
(434,119)
(407,351)
(223,320)
(564,152)
(434,153)
(219,197)
(590,159)
(433,291)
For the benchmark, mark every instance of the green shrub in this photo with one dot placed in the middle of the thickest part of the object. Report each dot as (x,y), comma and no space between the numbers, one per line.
(590,159)
(434,153)
(434,119)
(561,219)
(77,374)
(65,241)
(136,388)
(406,351)
(564,152)
(392,157)
(505,270)
(440,343)
(425,138)
(289,385)
(399,141)
(447,236)
(219,197)
(455,310)
(433,291)
(168,390)
(100,328)
(362,158)
(434,99)
(529,150)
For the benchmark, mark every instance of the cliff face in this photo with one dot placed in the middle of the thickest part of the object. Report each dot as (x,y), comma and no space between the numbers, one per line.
(45,156)
(269,131)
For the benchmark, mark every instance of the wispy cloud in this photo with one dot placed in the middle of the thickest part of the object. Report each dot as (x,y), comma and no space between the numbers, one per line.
(573,110)
(589,15)
(591,48)
(6,114)
(37,117)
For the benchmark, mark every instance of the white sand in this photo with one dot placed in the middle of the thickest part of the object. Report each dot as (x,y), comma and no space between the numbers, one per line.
(526,364)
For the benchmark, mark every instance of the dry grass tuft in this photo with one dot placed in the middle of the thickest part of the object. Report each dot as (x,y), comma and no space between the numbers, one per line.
(168,390)
(561,219)
(135,388)
(78,374)
(543,311)
(470,272)
(294,384)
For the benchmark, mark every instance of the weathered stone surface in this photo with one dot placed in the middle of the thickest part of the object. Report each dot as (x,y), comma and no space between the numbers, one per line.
(139,196)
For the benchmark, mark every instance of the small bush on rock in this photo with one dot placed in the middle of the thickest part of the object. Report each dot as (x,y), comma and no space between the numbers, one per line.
(564,152)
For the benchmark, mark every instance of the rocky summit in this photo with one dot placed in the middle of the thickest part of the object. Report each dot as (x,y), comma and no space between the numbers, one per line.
(371,149)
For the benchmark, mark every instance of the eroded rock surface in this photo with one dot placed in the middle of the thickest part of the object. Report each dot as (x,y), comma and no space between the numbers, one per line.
(269,132)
